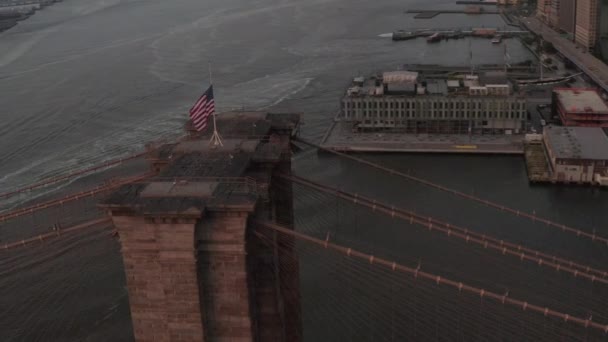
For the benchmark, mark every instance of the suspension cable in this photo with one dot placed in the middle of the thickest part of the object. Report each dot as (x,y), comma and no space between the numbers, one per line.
(54,234)
(72,174)
(554,262)
(593,236)
(417,273)
(73,197)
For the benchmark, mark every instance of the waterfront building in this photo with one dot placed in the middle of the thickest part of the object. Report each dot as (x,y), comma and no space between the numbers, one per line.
(508,2)
(554,11)
(408,102)
(587,24)
(577,154)
(567,17)
(603,30)
(542,9)
(580,107)
(579,19)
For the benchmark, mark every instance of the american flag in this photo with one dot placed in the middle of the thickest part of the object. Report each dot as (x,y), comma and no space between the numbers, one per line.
(202,109)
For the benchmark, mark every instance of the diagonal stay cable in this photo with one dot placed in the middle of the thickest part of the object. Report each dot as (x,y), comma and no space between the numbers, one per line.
(592,236)
(418,274)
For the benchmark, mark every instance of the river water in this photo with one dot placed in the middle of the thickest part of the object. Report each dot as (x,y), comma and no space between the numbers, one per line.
(87,80)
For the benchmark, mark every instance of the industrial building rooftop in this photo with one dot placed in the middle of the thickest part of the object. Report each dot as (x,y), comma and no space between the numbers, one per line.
(589,143)
(494,83)
(586,101)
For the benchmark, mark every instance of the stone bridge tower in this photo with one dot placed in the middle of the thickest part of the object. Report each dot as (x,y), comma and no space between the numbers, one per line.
(195,268)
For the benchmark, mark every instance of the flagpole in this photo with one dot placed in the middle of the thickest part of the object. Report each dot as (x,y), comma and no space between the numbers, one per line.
(215,138)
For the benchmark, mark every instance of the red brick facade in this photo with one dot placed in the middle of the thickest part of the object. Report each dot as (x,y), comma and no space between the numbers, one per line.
(223,276)
(196,268)
(160,265)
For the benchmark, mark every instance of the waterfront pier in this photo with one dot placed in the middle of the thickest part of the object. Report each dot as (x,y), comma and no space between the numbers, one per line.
(428,14)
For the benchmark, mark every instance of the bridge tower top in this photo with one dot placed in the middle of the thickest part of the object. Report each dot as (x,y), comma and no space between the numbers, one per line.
(194,272)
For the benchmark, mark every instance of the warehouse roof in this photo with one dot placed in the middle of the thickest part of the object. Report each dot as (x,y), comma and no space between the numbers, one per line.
(399,77)
(494,77)
(575,100)
(577,142)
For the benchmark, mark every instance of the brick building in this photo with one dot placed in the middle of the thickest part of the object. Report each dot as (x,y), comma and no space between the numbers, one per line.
(587,24)
(577,154)
(567,17)
(542,9)
(195,268)
(412,103)
(554,12)
(580,107)
(580,19)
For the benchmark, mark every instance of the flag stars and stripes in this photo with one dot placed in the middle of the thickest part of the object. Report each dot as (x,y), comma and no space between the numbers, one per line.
(203,109)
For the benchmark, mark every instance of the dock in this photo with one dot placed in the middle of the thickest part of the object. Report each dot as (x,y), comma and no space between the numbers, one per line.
(427,14)
(537,165)
(340,137)
(476,2)
(515,71)
(456,33)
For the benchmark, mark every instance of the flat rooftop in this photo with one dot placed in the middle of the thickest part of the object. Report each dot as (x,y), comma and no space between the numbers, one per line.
(410,83)
(577,142)
(399,76)
(581,101)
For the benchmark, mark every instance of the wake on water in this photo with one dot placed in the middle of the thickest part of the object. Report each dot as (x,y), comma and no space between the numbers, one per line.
(113,146)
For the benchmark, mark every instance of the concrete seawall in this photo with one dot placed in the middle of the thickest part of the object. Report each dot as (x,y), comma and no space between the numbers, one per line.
(340,137)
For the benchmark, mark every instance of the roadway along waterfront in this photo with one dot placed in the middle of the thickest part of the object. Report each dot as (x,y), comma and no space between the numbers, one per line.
(586,62)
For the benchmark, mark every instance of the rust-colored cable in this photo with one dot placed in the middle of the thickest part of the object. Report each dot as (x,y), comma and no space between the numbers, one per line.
(454,231)
(81,172)
(519,213)
(418,274)
(73,197)
(53,234)
(72,174)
